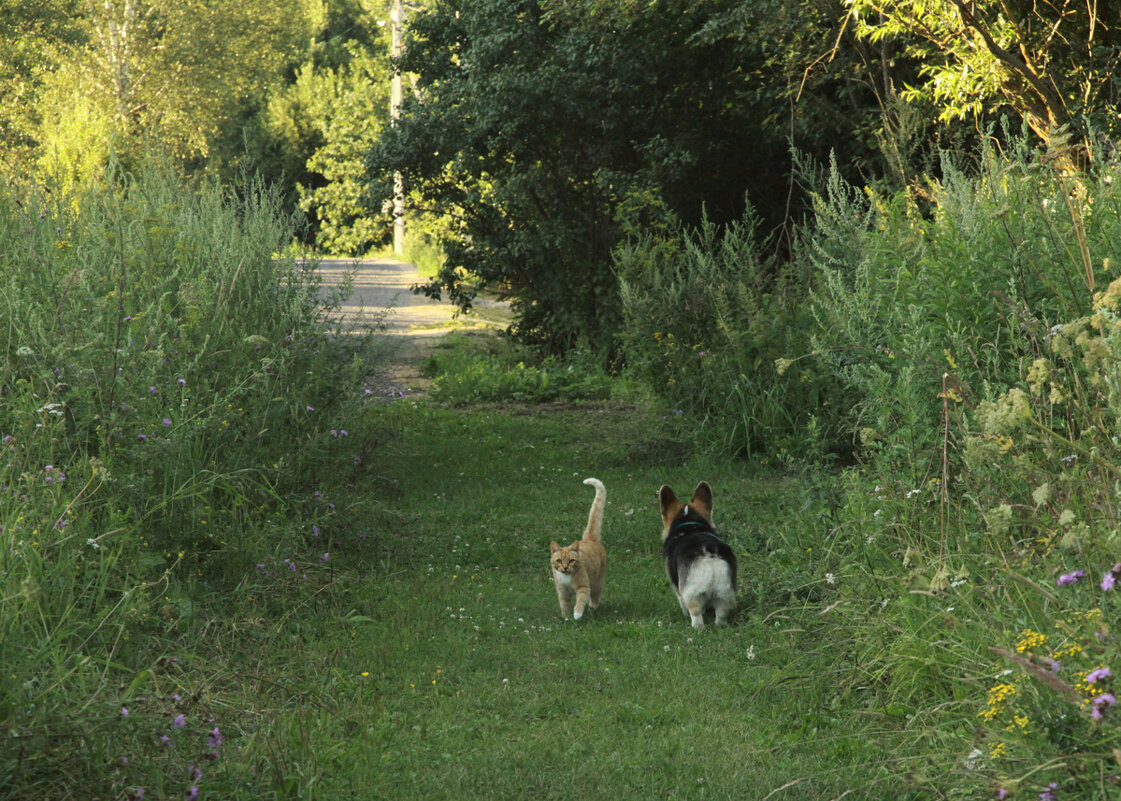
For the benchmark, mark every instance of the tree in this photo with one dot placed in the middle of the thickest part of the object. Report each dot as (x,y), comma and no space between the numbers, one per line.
(548,128)
(174,71)
(32,35)
(1054,63)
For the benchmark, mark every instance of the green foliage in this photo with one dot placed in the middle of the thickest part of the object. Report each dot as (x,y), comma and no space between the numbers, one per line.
(720,332)
(981,344)
(470,370)
(913,309)
(32,37)
(537,123)
(1056,69)
(167,388)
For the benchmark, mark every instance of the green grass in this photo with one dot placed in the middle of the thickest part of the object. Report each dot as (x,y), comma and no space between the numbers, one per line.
(436,665)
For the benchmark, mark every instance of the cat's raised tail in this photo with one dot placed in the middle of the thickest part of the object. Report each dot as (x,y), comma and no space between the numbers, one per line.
(595,517)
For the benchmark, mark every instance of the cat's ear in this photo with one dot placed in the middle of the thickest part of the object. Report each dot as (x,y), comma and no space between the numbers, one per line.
(553,547)
(702,496)
(576,546)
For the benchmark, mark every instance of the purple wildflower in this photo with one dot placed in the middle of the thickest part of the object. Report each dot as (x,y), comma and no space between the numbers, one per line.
(310,408)
(194,773)
(1070,578)
(193,793)
(179,722)
(1002,793)
(128,319)
(314,530)
(1100,673)
(182,382)
(325,557)
(166,422)
(124,711)
(1108,581)
(142,437)
(139,794)
(1049,793)
(165,739)
(215,739)
(152,389)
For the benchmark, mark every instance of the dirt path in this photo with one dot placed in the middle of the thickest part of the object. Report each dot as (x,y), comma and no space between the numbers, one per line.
(412,324)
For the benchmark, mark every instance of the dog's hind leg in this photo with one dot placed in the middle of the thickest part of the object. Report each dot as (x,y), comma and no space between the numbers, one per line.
(695,608)
(724,606)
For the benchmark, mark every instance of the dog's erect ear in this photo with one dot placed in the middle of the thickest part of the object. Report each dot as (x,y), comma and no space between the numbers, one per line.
(553,547)
(702,496)
(666,496)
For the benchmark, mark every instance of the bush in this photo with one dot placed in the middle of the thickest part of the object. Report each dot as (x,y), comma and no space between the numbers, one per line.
(982,342)
(711,325)
(166,387)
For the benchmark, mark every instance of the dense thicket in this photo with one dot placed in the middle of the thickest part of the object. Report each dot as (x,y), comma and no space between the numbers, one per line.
(549,131)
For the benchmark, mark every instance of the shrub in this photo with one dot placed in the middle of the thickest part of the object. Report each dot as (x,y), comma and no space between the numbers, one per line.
(711,324)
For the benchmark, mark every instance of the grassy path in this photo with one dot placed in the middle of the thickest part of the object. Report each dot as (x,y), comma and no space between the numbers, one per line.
(453,676)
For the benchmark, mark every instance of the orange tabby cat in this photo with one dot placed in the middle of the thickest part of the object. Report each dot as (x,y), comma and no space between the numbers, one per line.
(580,568)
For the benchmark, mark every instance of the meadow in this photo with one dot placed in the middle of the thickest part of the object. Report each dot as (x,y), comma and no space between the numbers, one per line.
(229,569)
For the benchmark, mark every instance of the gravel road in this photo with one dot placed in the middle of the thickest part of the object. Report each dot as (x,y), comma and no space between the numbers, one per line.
(413,323)
(381,284)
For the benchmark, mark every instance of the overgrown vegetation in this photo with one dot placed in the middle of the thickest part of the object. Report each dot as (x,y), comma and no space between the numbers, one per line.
(175,423)
(965,346)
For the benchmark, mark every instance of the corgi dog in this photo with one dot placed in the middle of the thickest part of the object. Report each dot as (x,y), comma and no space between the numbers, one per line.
(700,565)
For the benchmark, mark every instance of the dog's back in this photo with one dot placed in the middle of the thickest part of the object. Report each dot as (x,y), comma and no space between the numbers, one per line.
(701,566)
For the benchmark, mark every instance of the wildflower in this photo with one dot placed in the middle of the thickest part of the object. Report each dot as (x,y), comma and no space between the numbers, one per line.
(165,739)
(1100,673)
(1030,639)
(310,408)
(166,422)
(193,793)
(1070,578)
(181,381)
(1002,793)
(325,557)
(1049,793)
(315,530)
(215,739)
(179,722)
(124,711)
(1102,702)
(1110,578)
(142,437)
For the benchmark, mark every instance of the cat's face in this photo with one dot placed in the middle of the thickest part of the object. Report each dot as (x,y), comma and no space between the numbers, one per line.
(565,560)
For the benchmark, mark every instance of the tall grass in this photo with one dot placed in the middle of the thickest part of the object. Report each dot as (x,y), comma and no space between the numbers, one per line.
(166,388)
(966,341)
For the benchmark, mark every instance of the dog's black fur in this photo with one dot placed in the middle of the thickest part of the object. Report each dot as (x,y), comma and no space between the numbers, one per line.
(691,537)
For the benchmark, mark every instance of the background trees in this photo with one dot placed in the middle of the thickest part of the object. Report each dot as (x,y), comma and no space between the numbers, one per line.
(549,130)
(1053,64)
